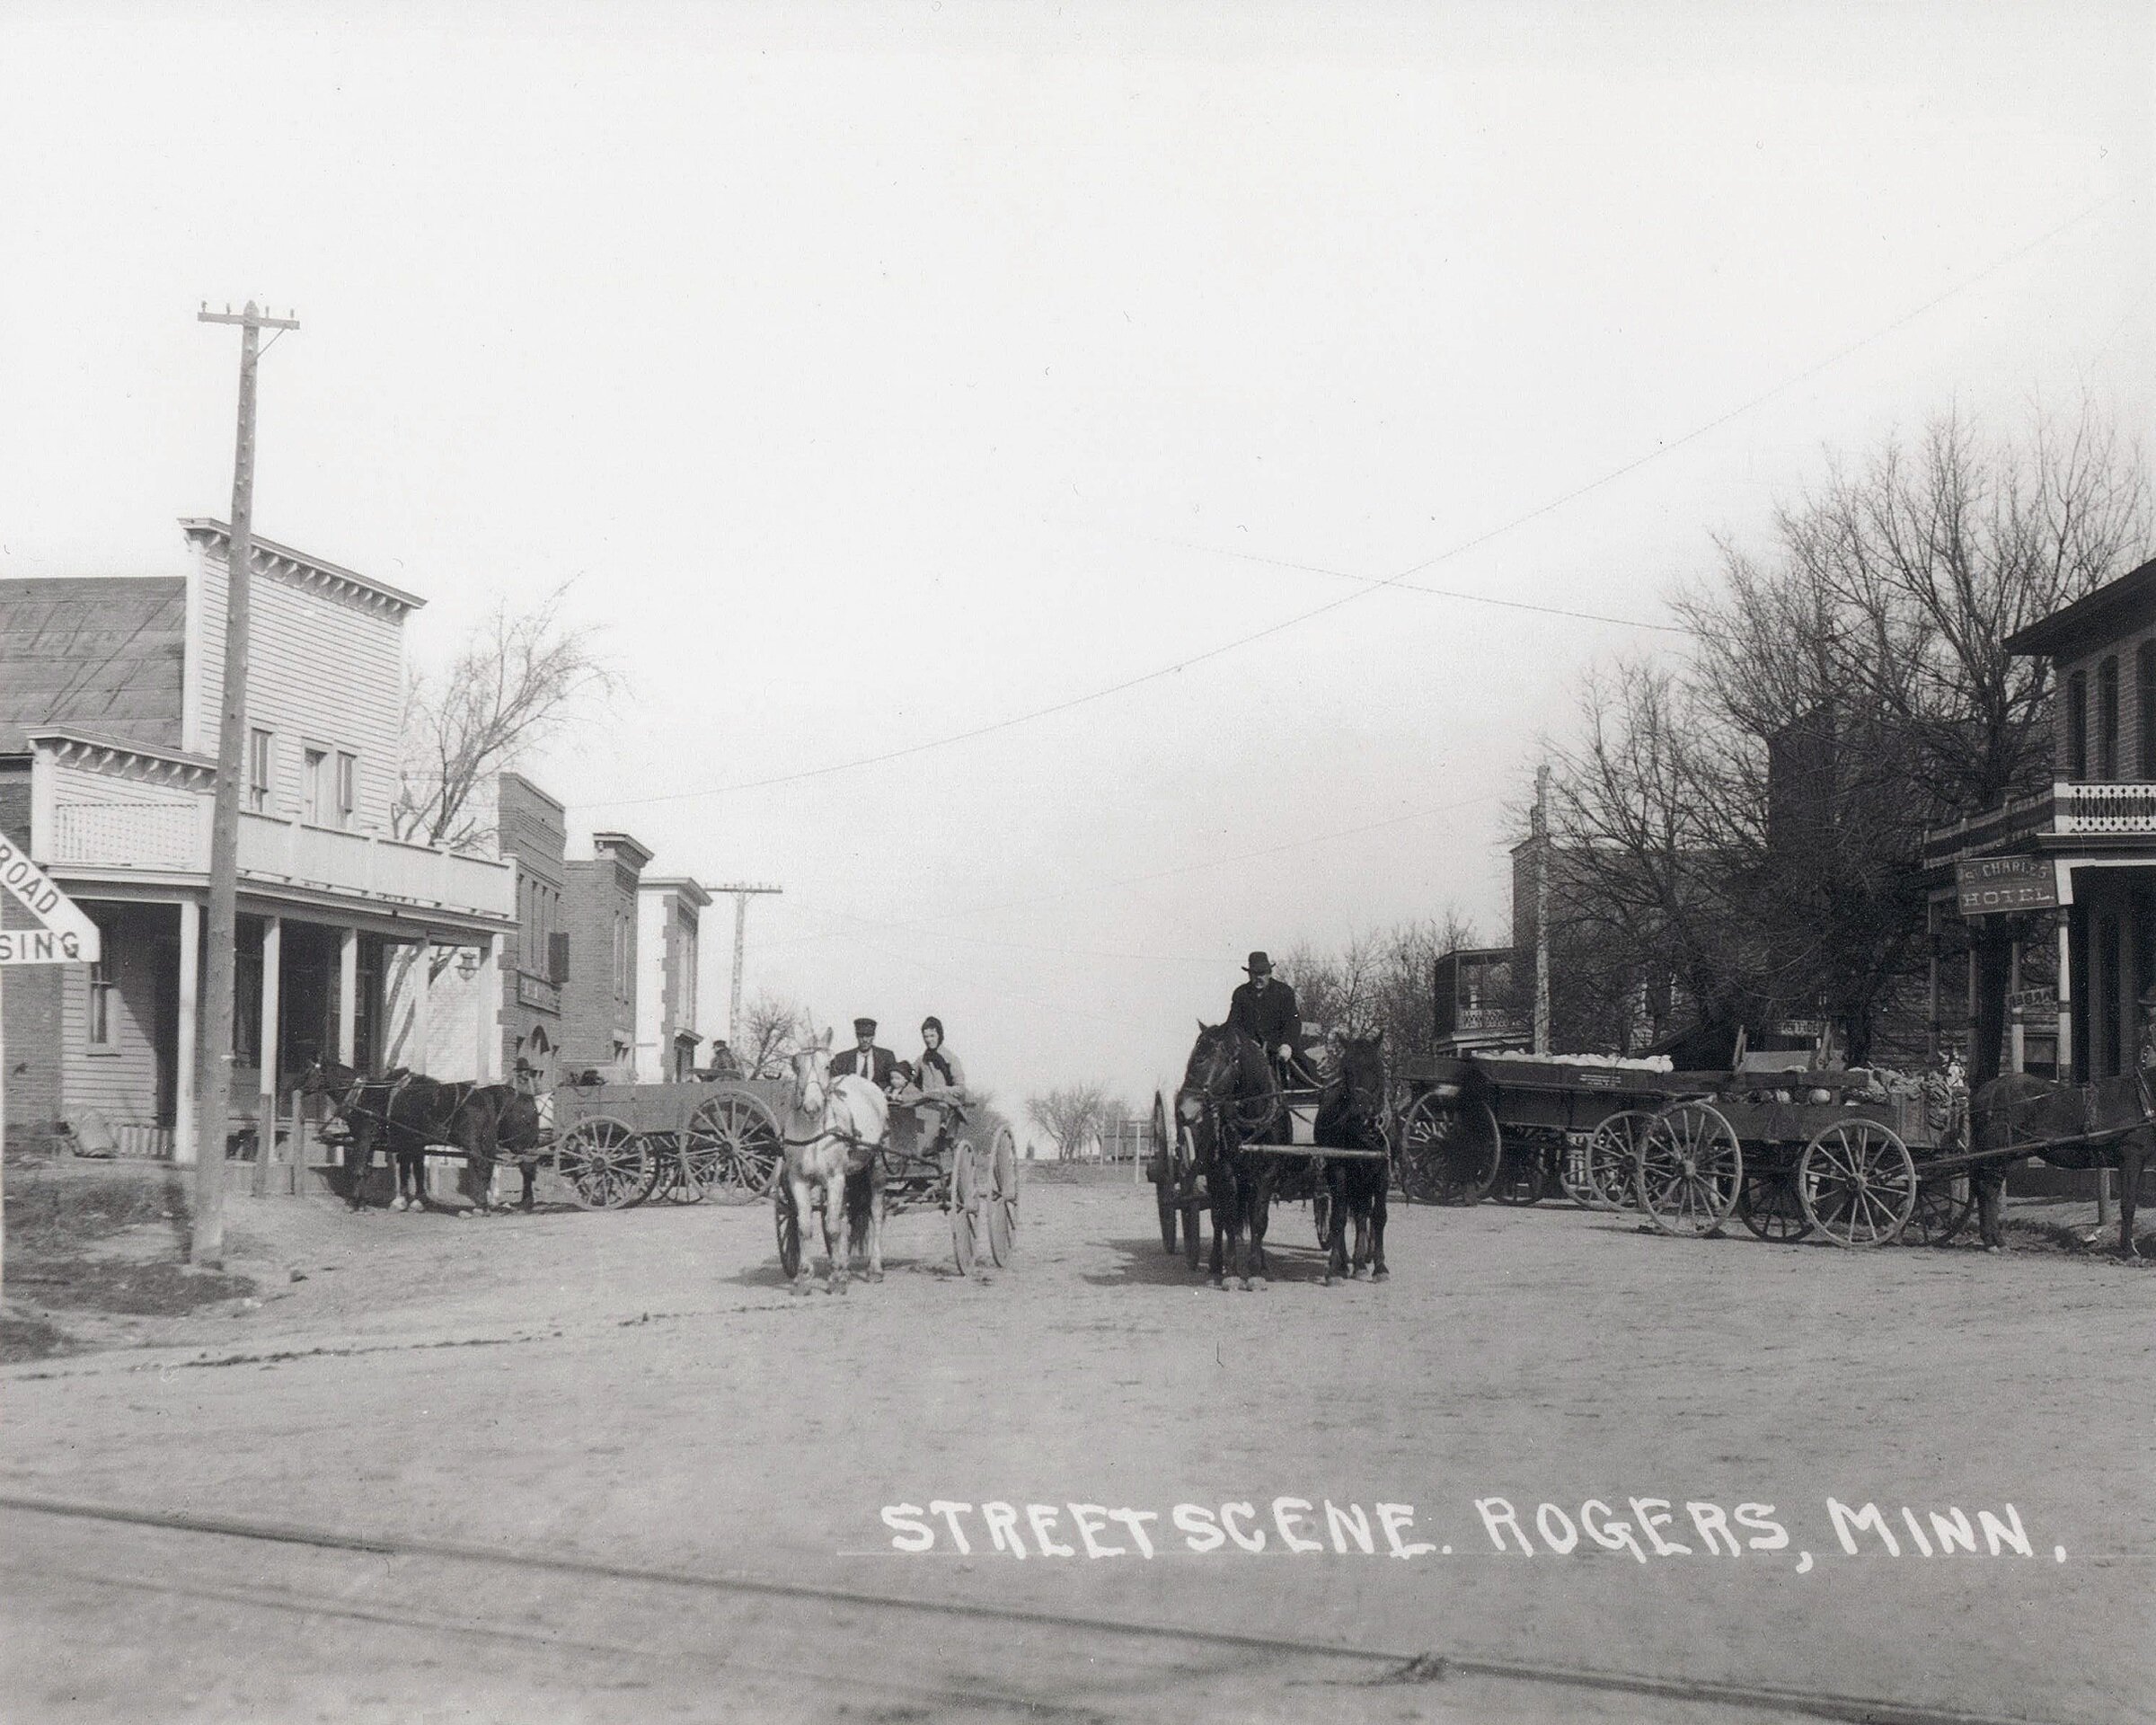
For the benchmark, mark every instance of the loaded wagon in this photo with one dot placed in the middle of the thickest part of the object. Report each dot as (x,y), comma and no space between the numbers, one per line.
(1789,1154)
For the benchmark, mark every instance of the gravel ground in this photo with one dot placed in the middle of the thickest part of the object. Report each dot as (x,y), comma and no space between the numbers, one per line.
(642,1390)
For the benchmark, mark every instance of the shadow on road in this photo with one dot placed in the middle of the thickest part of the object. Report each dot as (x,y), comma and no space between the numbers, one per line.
(1140,1263)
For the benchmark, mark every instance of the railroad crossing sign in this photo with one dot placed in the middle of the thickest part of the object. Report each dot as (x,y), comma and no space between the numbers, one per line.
(67,936)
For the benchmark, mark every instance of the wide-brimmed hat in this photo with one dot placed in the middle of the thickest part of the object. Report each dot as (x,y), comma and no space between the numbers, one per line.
(1259,965)
(864,1027)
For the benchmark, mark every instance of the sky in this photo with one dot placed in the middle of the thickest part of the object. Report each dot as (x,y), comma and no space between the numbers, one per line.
(1071,493)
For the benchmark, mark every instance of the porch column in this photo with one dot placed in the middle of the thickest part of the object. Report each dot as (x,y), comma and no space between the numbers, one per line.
(265,1122)
(422,1016)
(486,1012)
(183,1088)
(348,998)
(2015,1039)
(2063,1064)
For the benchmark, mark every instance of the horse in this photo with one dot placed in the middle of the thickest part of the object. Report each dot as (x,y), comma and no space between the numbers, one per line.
(832,1129)
(1229,1094)
(404,1112)
(1351,1116)
(2102,1124)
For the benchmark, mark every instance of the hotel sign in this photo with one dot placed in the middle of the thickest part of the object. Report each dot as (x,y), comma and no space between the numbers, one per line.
(1990,885)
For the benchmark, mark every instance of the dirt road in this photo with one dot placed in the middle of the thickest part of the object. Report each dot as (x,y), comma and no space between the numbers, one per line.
(641,1424)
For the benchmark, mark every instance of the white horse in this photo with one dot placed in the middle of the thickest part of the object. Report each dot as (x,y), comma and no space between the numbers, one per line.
(831,1122)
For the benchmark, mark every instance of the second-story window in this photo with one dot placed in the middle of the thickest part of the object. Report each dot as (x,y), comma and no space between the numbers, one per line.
(348,789)
(313,774)
(2077,728)
(2107,719)
(258,771)
(620,955)
(104,985)
(2144,700)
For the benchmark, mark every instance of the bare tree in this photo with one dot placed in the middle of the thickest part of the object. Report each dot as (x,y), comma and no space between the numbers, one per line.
(1072,1115)
(516,679)
(771,1030)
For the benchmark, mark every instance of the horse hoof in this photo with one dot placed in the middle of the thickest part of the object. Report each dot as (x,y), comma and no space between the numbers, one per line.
(1257,1284)
(875,1275)
(1381,1274)
(1326,1280)
(1244,1283)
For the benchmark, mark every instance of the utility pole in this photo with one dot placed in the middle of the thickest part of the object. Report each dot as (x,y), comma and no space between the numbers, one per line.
(1542,910)
(743,891)
(213,1048)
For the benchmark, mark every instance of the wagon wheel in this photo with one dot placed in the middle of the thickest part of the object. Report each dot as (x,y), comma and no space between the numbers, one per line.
(1523,1178)
(964,1203)
(1165,1181)
(1943,1207)
(1450,1154)
(1610,1165)
(690,1170)
(1691,1170)
(607,1166)
(789,1221)
(1002,1197)
(1857,1182)
(1768,1204)
(736,1137)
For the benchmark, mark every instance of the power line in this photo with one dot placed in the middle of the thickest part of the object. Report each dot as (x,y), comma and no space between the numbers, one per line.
(1381,585)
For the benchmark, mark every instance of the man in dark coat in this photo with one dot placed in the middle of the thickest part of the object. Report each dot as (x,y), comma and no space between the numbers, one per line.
(864,1058)
(1264,1010)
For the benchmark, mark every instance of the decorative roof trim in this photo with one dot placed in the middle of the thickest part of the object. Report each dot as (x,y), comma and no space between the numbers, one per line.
(117,755)
(298,568)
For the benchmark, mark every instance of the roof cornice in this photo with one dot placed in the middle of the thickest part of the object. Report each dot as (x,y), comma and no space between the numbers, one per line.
(273,558)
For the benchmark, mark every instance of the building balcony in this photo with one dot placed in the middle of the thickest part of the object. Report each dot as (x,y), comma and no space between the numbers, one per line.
(2113,815)
(171,838)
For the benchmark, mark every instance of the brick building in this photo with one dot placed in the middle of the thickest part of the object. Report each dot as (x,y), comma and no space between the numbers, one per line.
(667,956)
(598,997)
(533,837)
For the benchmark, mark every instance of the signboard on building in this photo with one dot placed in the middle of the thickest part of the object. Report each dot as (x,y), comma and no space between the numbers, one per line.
(67,936)
(2035,1008)
(1990,885)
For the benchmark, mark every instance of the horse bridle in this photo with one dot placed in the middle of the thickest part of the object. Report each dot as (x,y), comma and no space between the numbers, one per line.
(1225,1111)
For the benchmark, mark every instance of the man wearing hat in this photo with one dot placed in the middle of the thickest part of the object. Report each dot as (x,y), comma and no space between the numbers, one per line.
(864,1058)
(1264,1010)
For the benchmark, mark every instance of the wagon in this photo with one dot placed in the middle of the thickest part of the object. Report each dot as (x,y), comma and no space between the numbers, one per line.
(976,1186)
(1177,1175)
(1788,1154)
(619,1144)
(1500,1125)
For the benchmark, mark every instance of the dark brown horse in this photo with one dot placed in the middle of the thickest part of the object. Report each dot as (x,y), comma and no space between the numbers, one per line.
(1230,1097)
(1351,1116)
(400,1113)
(2103,1125)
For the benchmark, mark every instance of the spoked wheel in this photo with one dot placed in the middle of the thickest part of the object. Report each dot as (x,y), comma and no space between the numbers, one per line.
(1857,1182)
(789,1221)
(1691,1170)
(608,1166)
(964,1207)
(1450,1151)
(1164,1176)
(695,1169)
(734,1140)
(1524,1176)
(1943,1208)
(1769,1206)
(1002,1197)
(1610,1166)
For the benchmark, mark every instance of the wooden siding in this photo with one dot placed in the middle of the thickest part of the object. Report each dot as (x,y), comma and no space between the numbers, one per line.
(106,655)
(323,671)
(121,1084)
